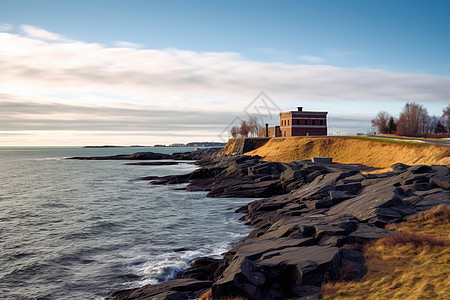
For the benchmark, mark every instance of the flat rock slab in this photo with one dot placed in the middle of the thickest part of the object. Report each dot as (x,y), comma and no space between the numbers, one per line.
(178,289)
(255,248)
(366,205)
(433,199)
(366,233)
(322,160)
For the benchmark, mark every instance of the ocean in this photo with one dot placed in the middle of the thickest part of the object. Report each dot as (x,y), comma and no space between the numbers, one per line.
(74,229)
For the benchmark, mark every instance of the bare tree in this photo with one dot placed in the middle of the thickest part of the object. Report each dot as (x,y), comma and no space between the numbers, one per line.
(413,120)
(446,118)
(254,126)
(244,129)
(381,122)
(433,122)
(234,131)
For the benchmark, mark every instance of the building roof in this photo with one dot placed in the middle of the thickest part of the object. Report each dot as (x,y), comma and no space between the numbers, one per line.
(304,113)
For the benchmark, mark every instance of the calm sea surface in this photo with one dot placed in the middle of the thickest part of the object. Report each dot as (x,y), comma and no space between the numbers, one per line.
(73,229)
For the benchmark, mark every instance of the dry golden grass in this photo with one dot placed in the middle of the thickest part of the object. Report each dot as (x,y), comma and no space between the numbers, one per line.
(208,296)
(228,149)
(433,223)
(377,154)
(411,265)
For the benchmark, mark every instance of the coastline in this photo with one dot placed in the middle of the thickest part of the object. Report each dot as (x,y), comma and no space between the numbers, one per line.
(304,230)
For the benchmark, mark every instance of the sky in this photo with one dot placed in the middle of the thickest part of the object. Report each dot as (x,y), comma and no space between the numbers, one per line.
(76,73)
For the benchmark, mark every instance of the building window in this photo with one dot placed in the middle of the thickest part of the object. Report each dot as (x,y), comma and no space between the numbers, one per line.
(285,133)
(321,122)
(288,122)
(306,122)
(314,122)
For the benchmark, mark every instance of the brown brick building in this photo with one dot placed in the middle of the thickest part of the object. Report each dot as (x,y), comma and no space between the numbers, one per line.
(298,123)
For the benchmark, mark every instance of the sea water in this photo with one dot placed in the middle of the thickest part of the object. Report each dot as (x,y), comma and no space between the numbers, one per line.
(81,229)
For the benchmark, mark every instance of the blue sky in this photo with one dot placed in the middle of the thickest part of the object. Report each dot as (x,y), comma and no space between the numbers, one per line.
(72,65)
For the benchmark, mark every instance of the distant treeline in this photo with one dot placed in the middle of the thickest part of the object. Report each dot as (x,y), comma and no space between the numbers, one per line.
(206,144)
(194,144)
(414,121)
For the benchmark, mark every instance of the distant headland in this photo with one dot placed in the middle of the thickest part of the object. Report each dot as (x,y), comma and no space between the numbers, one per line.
(194,144)
(114,146)
(191,144)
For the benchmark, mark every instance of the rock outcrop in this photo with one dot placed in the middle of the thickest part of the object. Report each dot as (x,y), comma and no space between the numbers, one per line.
(239,146)
(198,155)
(306,228)
(177,289)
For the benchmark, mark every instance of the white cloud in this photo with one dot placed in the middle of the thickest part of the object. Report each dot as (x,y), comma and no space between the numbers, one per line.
(6,27)
(125,44)
(39,33)
(30,65)
(311,59)
(38,68)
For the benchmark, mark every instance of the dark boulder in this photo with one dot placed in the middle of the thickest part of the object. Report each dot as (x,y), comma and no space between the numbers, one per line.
(202,268)
(266,168)
(178,289)
(352,266)
(228,188)
(277,274)
(171,179)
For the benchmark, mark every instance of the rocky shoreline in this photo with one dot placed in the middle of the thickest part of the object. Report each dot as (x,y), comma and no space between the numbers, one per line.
(307,230)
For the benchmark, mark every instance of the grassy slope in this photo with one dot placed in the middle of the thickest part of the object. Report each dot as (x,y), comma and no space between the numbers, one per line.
(354,150)
(414,264)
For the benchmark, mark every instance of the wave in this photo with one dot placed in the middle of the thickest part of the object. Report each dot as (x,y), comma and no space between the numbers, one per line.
(166,266)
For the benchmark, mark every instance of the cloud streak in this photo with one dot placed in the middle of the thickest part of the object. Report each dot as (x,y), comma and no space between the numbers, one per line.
(311,59)
(39,33)
(6,27)
(18,115)
(125,44)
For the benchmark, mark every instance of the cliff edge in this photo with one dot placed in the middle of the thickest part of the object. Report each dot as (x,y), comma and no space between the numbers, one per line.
(371,152)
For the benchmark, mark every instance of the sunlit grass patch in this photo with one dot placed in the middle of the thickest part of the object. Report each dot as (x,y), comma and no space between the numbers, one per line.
(414,264)
(389,141)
